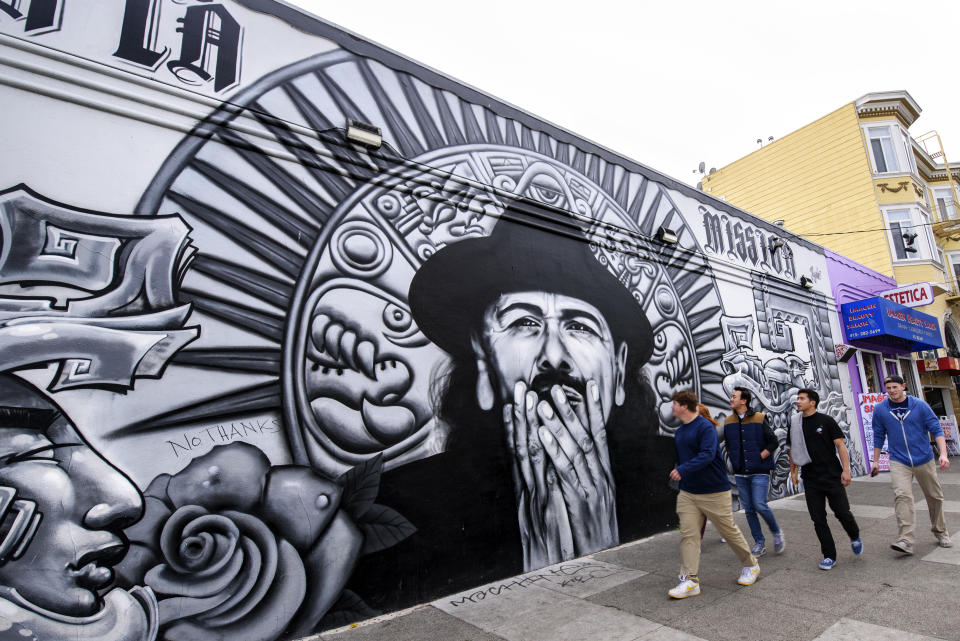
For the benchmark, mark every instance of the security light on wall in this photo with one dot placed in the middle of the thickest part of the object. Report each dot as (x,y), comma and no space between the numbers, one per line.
(776,244)
(667,236)
(806,283)
(364,134)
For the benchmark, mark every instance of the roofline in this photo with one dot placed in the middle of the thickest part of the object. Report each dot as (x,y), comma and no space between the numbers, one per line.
(308,23)
(899,101)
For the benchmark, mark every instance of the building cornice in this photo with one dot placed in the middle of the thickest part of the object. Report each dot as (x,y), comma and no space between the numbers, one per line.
(894,103)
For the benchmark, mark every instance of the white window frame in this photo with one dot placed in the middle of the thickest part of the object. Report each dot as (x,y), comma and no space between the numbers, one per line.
(896,153)
(945,205)
(911,220)
(953,265)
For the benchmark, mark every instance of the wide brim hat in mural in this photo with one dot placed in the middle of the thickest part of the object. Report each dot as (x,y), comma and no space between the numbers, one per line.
(533,247)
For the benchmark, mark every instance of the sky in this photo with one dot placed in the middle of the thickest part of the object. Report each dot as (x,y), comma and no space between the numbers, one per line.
(671,84)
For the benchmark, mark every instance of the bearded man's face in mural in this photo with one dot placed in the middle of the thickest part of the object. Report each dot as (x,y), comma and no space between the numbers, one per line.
(541,340)
(84,502)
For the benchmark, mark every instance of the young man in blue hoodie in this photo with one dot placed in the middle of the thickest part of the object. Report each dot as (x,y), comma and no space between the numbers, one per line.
(905,421)
(704,492)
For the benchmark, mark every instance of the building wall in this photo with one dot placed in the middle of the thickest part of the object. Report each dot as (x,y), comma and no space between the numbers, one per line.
(818,180)
(258,382)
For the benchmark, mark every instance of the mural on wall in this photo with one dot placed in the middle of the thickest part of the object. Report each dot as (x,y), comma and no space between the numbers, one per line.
(377,375)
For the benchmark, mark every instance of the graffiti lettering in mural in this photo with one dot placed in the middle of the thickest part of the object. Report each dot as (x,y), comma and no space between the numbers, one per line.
(741,241)
(222,433)
(564,575)
(38,16)
(209,41)
(113,317)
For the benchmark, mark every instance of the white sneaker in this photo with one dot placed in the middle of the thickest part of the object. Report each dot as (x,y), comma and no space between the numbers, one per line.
(685,589)
(748,575)
(944,540)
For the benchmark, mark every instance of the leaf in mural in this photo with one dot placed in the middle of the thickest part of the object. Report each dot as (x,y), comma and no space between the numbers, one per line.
(348,608)
(360,486)
(383,527)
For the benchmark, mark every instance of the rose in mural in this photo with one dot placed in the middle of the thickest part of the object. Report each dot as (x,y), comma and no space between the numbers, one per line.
(235,548)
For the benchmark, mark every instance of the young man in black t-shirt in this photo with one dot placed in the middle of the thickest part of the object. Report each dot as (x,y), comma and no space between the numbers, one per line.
(815,442)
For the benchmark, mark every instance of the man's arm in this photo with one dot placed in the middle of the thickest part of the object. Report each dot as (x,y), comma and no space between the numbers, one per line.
(932,424)
(844,460)
(707,452)
(770,442)
(942,444)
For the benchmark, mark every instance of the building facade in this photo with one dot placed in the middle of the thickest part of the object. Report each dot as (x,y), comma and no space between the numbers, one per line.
(296,330)
(860,184)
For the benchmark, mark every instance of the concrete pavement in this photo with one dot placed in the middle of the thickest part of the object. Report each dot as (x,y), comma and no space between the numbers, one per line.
(621,594)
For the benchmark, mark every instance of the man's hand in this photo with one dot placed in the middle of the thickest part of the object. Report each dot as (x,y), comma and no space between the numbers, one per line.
(944,461)
(582,462)
(845,478)
(764,454)
(875,469)
(675,474)
(545,532)
(793,472)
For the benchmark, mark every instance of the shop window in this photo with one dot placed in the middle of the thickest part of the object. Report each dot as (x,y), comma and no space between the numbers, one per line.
(872,382)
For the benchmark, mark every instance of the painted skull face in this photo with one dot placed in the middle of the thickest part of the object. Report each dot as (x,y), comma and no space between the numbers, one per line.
(366,370)
(64,564)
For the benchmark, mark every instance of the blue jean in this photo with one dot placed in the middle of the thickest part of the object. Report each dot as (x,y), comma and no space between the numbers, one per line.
(753,490)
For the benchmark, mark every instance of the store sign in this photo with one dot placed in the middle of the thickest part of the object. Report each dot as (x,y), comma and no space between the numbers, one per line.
(879,317)
(916,295)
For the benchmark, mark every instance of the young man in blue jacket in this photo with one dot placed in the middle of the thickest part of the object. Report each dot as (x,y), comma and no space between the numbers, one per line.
(750,446)
(704,492)
(905,421)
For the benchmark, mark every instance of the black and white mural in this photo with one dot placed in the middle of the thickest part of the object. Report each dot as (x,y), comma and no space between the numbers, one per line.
(294,381)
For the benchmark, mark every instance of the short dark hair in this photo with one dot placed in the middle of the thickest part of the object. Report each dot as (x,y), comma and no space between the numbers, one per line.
(745,394)
(811,394)
(893,378)
(687,398)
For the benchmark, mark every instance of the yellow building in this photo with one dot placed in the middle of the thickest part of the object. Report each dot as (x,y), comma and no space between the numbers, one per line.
(858,183)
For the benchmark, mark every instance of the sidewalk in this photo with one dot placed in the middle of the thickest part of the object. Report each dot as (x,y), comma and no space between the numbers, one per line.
(621,594)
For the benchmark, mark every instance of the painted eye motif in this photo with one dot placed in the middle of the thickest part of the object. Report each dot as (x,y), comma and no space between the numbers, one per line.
(396,319)
(659,347)
(400,328)
(547,190)
(525,323)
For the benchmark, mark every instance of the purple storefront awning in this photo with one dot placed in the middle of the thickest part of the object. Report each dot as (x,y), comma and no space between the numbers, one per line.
(880,320)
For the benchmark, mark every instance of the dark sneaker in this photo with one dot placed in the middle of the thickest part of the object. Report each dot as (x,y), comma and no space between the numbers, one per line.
(827,564)
(758,549)
(903,547)
(857,546)
(779,542)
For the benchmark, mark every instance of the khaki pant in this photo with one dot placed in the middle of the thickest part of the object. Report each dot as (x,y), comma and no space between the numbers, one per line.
(901,477)
(692,508)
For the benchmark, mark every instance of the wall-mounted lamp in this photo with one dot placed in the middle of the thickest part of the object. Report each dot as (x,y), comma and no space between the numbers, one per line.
(779,222)
(806,283)
(364,134)
(667,236)
(776,244)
